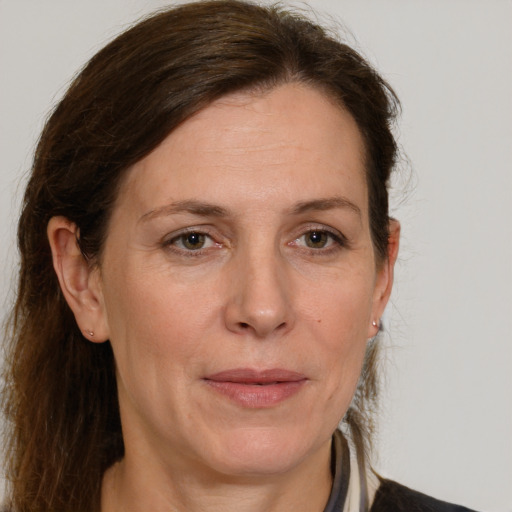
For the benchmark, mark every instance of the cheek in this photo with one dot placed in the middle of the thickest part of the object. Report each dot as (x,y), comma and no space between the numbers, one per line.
(342,307)
(155,320)
(155,349)
(340,317)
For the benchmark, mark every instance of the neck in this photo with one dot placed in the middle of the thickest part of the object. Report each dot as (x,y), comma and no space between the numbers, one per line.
(133,485)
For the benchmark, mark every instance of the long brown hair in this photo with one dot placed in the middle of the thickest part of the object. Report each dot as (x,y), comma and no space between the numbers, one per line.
(60,395)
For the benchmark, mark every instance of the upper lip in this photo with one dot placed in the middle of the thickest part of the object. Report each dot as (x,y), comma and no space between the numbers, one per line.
(252,376)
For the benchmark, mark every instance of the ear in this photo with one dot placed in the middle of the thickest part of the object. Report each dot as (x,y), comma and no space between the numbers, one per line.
(384,281)
(80,281)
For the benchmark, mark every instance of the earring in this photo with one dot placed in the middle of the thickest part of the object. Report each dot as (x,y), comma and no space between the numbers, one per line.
(90,333)
(376,324)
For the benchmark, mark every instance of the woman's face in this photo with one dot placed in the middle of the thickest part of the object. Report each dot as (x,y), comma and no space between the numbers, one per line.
(239,284)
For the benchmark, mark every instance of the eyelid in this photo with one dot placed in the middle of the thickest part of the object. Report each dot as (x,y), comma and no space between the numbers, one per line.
(339,239)
(336,233)
(169,240)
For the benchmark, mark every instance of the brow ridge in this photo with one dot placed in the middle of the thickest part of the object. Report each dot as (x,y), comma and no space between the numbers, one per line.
(327,203)
(203,209)
(189,206)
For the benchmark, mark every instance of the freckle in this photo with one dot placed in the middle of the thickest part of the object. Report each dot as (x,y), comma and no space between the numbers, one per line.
(319,320)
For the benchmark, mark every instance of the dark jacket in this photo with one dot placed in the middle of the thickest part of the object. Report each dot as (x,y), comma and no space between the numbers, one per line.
(390,496)
(393,497)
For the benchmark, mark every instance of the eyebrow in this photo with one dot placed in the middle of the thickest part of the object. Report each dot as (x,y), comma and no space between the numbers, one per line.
(328,203)
(211,210)
(191,206)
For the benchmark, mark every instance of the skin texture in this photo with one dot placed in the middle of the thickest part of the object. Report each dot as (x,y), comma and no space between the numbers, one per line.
(280,273)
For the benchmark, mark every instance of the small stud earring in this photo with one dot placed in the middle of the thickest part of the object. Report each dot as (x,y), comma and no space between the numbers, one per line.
(90,333)
(375,324)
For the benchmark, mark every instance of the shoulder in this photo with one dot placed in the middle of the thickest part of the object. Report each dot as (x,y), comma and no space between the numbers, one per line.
(393,497)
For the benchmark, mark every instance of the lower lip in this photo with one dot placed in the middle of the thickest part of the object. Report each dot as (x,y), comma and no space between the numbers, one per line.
(257,396)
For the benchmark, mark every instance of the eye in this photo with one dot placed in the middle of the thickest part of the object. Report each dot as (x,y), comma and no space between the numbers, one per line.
(192,241)
(316,239)
(319,239)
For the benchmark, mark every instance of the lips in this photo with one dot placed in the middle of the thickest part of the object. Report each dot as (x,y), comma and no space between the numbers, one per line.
(256,388)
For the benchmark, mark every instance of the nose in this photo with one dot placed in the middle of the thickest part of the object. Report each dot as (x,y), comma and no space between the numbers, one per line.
(259,299)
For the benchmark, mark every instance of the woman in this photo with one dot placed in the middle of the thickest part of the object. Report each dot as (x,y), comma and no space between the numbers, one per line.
(212,196)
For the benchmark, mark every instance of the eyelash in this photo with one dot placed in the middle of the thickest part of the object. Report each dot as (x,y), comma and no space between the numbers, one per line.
(171,243)
(337,242)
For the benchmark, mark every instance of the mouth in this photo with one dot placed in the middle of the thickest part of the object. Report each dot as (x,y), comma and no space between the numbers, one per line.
(256,388)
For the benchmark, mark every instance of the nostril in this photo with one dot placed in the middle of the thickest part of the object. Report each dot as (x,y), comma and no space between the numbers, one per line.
(245,326)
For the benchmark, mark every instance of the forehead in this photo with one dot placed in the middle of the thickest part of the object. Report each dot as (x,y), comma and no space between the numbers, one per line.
(289,141)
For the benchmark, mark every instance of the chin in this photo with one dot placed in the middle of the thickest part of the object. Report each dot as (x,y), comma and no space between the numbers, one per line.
(262,451)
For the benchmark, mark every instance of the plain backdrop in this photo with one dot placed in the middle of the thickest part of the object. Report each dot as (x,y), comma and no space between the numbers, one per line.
(446,421)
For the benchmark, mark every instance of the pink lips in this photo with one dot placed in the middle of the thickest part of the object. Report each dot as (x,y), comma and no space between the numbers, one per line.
(256,389)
